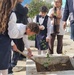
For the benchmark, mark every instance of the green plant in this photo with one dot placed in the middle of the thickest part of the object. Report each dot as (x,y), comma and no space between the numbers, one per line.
(43,44)
(35,5)
(46,64)
(47,55)
(31,37)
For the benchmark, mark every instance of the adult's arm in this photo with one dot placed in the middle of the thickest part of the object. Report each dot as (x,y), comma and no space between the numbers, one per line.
(49,28)
(66,11)
(26,41)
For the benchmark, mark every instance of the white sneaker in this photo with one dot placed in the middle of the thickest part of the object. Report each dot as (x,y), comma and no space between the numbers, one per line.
(17,69)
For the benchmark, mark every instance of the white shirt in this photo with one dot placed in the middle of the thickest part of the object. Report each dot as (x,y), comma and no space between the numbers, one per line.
(48,25)
(61,30)
(17,30)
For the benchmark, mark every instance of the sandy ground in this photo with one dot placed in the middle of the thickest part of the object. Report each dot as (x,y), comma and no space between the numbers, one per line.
(68,48)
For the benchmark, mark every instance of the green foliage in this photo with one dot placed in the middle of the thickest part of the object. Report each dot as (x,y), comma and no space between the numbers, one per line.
(46,64)
(43,44)
(47,55)
(31,37)
(35,5)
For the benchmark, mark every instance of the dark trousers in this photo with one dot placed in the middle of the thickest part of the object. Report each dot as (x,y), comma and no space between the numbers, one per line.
(20,45)
(13,62)
(59,43)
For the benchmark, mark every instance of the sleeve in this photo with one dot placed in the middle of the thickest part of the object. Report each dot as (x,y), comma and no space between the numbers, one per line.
(34,20)
(22,29)
(13,31)
(48,28)
(12,43)
(26,41)
(66,11)
(50,12)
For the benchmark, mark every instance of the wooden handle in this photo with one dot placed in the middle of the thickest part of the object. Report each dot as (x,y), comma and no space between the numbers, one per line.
(25,55)
(29,58)
(22,53)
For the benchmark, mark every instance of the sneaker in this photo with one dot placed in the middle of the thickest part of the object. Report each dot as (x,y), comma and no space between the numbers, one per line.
(17,68)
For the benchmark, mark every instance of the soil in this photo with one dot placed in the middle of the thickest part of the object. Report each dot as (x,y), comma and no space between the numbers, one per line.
(55,67)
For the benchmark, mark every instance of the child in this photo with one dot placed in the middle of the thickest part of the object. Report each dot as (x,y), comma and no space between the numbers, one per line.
(18,30)
(21,18)
(56,14)
(25,30)
(41,41)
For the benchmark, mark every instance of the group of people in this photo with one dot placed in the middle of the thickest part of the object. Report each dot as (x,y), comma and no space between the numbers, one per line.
(52,22)
(12,30)
(14,27)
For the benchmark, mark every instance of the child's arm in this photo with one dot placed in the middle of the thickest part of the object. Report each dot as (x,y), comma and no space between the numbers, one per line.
(14,47)
(13,31)
(26,42)
(34,20)
(48,30)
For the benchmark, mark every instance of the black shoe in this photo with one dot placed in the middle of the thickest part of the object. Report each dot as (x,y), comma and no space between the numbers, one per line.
(10,71)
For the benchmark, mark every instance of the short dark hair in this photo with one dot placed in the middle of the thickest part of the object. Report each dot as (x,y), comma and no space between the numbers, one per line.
(44,9)
(34,27)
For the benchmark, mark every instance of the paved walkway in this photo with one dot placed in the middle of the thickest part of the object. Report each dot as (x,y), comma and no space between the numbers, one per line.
(67,49)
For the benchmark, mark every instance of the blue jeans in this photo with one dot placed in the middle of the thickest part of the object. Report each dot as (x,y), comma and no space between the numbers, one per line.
(72,31)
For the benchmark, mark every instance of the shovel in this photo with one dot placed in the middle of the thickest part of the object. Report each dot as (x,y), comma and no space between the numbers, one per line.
(29,58)
(36,62)
(26,55)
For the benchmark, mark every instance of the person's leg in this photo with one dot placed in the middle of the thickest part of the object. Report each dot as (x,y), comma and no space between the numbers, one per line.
(59,43)
(13,62)
(44,51)
(10,65)
(0,72)
(39,52)
(21,47)
(72,31)
(49,46)
(52,43)
(16,55)
(4,72)
(15,59)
